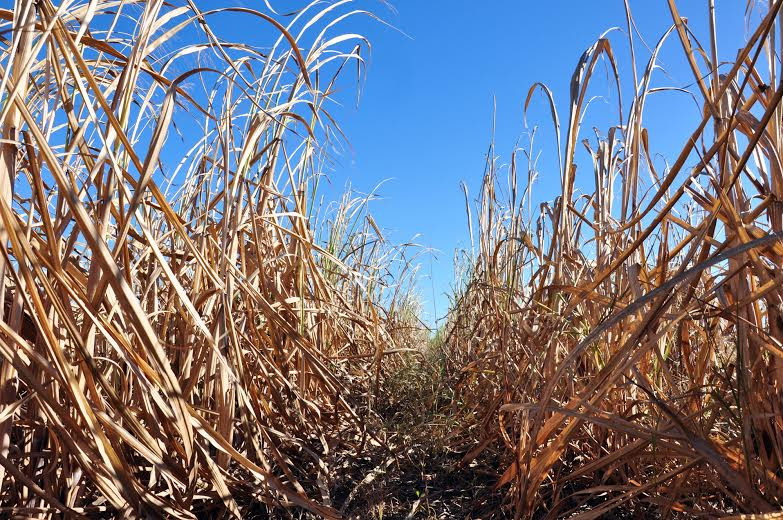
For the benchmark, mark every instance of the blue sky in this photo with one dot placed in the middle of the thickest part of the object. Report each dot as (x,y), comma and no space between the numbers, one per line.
(425,117)
(435,79)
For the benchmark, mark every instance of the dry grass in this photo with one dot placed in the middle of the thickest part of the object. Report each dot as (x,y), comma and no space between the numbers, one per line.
(178,341)
(621,348)
(190,332)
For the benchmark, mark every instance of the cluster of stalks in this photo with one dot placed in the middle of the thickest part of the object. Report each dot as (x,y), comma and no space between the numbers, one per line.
(188,332)
(623,346)
(178,340)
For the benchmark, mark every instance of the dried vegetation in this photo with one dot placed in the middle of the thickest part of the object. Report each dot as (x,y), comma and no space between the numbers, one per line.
(189,332)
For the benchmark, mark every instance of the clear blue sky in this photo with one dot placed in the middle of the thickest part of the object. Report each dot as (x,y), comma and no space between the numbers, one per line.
(425,116)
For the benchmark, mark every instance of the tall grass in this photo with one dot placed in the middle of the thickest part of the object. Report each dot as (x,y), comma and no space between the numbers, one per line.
(189,331)
(624,345)
(178,341)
